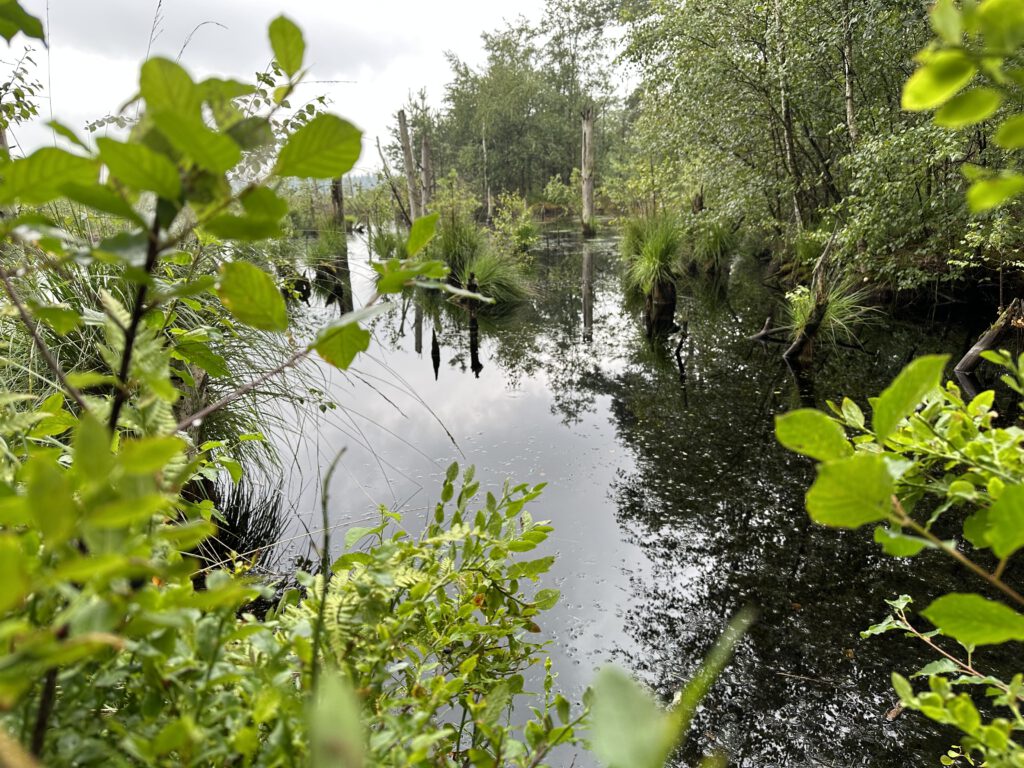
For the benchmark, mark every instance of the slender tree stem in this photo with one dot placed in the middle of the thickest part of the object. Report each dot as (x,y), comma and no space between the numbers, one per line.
(138,312)
(904,519)
(46,701)
(33,328)
(325,574)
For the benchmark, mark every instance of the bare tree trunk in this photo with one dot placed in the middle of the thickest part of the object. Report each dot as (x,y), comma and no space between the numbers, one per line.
(338,201)
(426,174)
(787,115)
(487,183)
(394,188)
(588,171)
(851,116)
(410,168)
(417,328)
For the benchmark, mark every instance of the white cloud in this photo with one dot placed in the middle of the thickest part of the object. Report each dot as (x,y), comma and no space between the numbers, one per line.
(365,56)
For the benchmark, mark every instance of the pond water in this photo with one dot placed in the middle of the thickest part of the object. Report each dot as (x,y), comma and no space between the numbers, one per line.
(672,504)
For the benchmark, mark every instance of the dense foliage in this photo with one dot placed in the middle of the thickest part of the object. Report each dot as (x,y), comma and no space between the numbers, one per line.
(934,463)
(785,117)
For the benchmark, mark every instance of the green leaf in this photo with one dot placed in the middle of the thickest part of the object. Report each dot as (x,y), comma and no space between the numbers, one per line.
(200,354)
(908,389)
(1002,24)
(852,492)
(341,345)
(62,130)
(167,87)
(325,148)
(546,599)
(811,433)
(422,232)
(340,342)
(243,228)
(974,620)
(1010,134)
(61,319)
(15,19)
(263,203)
(896,543)
(140,167)
(250,295)
(628,728)
(101,198)
(987,194)
(357,533)
(946,21)
(288,45)
(150,455)
(122,513)
(42,176)
(213,151)
(51,501)
(939,667)
(252,133)
(937,80)
(14,572)
(969,107)
(1006,522)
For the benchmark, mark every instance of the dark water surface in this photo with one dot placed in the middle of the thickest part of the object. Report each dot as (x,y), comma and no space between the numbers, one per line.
(672,504)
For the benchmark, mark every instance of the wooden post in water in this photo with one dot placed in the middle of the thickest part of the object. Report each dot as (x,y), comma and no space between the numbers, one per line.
(410,168)
(435,353)
(417,327)
(587,171)
(588,292)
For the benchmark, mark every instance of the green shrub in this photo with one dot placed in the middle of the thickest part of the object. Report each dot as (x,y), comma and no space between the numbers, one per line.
(847,306)
(711,243)
(498,276)
(650,247)
(514,229)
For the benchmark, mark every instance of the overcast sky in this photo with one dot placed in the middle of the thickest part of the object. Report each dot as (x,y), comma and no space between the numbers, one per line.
(387,48)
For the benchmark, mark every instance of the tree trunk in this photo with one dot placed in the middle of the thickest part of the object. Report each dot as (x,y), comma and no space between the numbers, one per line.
(405,215)
(851,116)
(660,309)
(338,202)
(786,111)
(426,174)
(588,171)
(410,168)
(487,184)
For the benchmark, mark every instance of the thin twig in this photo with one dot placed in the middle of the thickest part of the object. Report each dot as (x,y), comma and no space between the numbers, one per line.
(242,391)
(904,519)
(325,572)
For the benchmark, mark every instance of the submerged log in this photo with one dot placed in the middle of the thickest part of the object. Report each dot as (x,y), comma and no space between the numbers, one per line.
(989,339)
(660,309)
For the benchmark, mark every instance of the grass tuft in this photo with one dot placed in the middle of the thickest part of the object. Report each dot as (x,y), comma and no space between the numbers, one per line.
(651,248)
